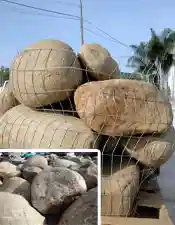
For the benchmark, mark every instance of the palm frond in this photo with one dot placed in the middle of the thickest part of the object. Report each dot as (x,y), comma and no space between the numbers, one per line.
(164,34)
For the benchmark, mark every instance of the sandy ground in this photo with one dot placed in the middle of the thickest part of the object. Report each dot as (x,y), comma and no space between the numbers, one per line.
(167,185)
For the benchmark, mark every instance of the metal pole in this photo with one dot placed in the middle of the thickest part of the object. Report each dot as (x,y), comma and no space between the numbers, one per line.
(81,22)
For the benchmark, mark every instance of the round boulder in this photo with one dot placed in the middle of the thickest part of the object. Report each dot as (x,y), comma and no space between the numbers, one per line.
(119,186)
(17,185)
(58,162)
(7,100)
(90,174)
(30,172)
(45,72)
(98,62)
(47,130)
(123,107)
(8,170)
(36,161)
(54,190)
(151,151)
(82,211)
(14,209)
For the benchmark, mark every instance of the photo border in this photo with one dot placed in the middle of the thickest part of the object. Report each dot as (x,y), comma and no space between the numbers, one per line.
(67,151)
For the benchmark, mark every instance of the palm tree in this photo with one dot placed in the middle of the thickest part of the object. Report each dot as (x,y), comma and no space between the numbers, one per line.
(4,74)
(154,57)
(140,61)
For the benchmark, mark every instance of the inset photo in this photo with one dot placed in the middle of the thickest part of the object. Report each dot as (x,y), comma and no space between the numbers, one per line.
(39,187)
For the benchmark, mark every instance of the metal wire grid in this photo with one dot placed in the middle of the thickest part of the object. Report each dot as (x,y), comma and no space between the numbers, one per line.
(116,154)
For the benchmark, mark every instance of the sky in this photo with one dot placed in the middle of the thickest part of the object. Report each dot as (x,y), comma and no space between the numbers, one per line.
(127,21)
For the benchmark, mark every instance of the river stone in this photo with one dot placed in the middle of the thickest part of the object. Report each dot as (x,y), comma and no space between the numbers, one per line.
(90,174)
(16,210)
(119,187)
(54,190)
(7,170)
(123,107)
(57,162)
(36,161)
(30,172)
(82,211)
(151,151)
(98,62)
(17,185)
(45,72)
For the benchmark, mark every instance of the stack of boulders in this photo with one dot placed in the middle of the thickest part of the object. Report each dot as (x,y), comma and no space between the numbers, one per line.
(69,100)
(49,191)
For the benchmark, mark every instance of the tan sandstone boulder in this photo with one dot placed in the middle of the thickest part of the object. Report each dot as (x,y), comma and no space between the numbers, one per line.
(119,187)
(7,100)
(151,151)
(98,62)
(122,107)
(45,72)
(22,127)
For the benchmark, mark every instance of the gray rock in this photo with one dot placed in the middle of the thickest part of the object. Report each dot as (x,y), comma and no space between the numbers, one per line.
(82,211)
(20,166)
(90,175)
(54,190)
(16,210)
(15,158)
(70,154)
(57,162)
(36,161)
(17,185)
(95,160)
(30,172)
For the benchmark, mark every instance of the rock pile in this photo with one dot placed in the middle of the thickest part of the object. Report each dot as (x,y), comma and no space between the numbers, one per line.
(49,191)
(69,100)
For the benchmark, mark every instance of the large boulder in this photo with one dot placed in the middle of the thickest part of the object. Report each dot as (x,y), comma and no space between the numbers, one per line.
(123,107)
(55,161)
(55,189)
(14,209)
(45,72)
(83,211)
(7,100)
(22,127)
(119,187)
(151,151)
(98,62)
(36,161)
(90,174)
(17,185)
(30,172)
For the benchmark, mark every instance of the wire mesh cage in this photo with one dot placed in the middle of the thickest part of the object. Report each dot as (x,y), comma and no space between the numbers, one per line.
(68,100)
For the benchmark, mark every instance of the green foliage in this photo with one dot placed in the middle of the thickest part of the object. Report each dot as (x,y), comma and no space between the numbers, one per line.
(131,76)
(154,57)
(4,74)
